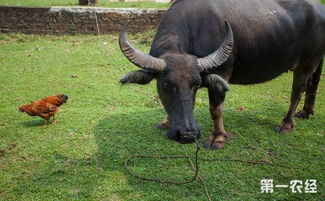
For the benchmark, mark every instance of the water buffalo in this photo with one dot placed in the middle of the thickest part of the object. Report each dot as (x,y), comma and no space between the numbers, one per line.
(208,43)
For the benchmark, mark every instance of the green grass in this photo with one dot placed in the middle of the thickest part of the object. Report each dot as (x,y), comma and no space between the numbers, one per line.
(102,3)
(81,157)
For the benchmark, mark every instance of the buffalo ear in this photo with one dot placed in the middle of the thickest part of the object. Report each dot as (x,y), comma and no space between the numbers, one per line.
(138,77)
(216,82)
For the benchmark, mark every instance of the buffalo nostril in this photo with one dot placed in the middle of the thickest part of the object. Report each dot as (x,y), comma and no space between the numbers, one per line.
(178,133)
(189,134)
(183,135)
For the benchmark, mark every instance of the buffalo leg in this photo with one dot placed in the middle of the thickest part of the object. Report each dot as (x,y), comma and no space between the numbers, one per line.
(300,77)
(310,95)
(217,139)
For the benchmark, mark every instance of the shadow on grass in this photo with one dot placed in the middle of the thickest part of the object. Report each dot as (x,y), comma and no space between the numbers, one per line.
(33,123)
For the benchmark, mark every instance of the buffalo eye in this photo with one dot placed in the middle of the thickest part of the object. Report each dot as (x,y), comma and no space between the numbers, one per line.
(195,85)
(169,86)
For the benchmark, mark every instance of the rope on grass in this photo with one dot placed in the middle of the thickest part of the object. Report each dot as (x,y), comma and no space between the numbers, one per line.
(196,167)
(199,175)
(126,163)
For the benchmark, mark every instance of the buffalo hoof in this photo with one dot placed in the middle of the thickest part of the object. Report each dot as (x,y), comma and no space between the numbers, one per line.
(303,114)
(161,127)
(284,128)
(215,142)
(164,125)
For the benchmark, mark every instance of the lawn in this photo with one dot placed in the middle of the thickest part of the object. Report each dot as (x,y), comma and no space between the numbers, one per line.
(102,3)
(81,157)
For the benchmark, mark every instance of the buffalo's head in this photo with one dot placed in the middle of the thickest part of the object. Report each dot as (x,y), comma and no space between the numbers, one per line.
(179,76)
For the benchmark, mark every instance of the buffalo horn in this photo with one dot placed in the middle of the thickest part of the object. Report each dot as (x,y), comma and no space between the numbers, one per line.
(137,57)
(221,55)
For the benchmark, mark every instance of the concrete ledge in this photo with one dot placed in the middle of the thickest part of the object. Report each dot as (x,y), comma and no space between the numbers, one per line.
(73,20)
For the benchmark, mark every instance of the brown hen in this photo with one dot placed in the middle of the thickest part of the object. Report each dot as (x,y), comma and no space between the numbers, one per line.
(46,107)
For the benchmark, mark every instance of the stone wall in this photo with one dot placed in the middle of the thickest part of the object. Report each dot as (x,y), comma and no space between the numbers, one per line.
(72,20)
